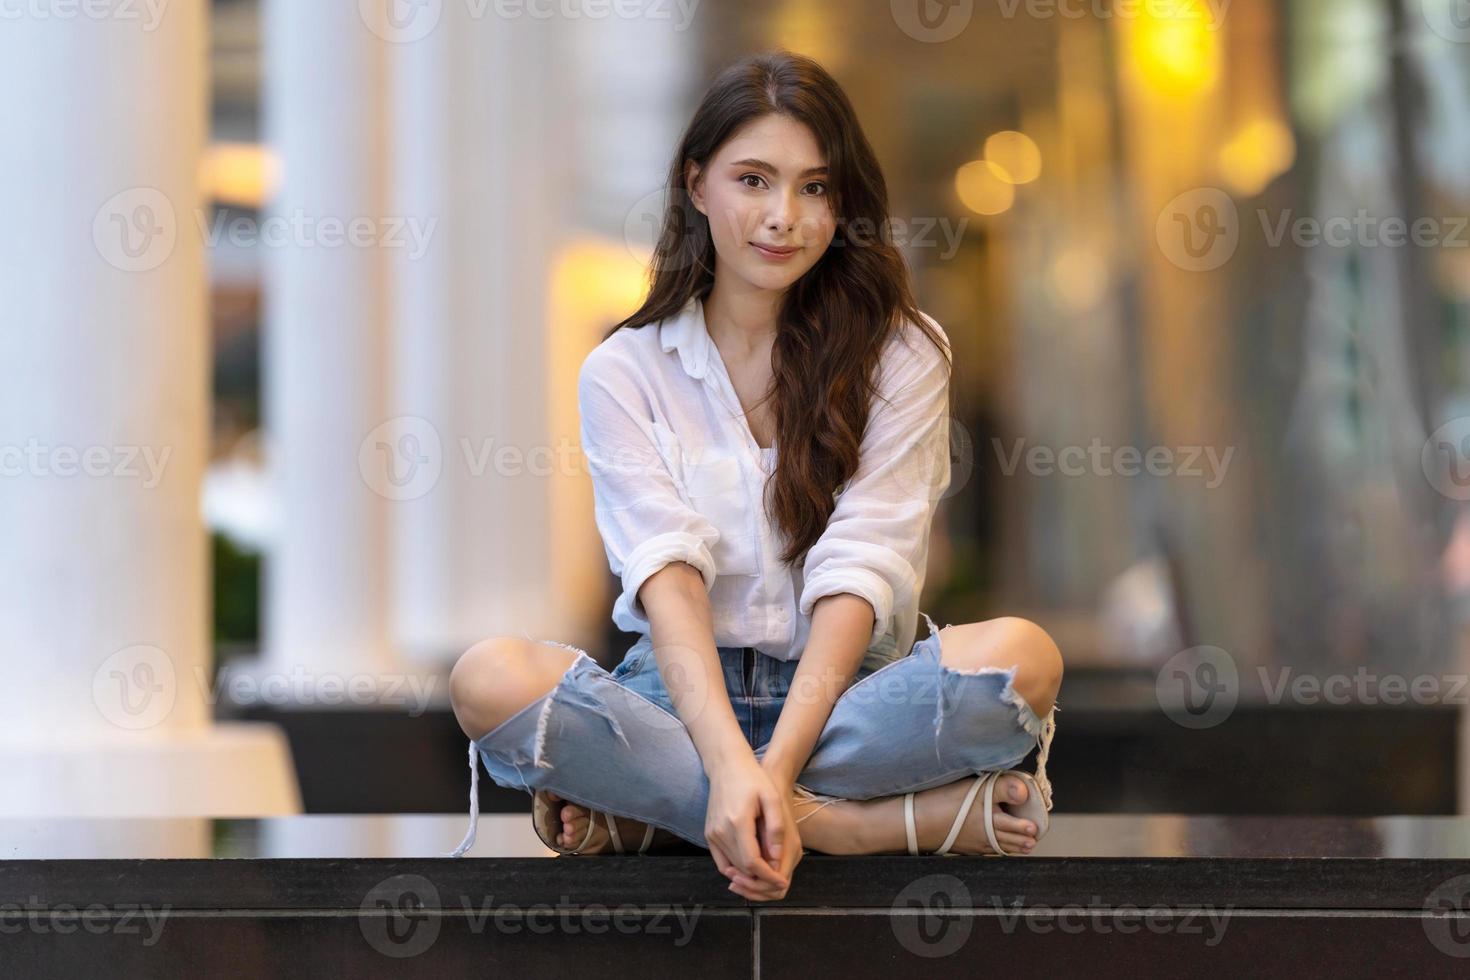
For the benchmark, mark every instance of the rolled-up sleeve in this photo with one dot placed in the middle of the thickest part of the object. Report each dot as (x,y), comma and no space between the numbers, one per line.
(644,521)
(876,538)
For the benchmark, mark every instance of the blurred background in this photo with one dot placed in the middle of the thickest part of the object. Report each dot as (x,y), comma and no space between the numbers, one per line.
(294,296)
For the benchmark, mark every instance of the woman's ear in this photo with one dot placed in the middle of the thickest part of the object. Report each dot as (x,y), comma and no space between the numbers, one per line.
(692,186)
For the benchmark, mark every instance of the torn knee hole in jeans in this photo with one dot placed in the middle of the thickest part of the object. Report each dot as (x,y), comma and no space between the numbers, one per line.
(1042,729)
(562,698)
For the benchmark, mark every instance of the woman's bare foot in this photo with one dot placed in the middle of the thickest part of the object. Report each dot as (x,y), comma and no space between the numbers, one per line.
(574,827)
(877,826)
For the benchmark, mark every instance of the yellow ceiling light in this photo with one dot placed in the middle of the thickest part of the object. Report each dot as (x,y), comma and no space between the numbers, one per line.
(1176,50)
(1260,151)
(242,174)
(1014,157)
(980,190)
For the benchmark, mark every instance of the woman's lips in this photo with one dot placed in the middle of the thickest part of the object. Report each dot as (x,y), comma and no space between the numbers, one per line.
(773,254)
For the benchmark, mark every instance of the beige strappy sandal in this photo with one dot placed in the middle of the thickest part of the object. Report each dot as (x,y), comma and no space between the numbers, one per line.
(546,818)
(1034,809)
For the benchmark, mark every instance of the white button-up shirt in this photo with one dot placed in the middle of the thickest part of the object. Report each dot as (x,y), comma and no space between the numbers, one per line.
(678,476)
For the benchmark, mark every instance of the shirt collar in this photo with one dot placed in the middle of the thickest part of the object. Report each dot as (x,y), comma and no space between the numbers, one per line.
(685,332)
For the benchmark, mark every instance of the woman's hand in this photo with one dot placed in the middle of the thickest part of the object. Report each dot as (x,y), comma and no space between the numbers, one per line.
(782,850)
(751,829)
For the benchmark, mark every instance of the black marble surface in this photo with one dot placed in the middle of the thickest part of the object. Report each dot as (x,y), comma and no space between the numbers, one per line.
(334,862)
(1107,895)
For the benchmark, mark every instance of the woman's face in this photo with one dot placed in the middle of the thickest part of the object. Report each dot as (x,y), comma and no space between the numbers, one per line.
(765,194)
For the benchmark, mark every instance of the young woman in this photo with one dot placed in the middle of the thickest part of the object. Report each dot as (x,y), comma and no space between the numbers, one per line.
(768,439)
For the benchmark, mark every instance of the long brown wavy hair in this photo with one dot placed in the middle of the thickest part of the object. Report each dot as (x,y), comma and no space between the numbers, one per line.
(835,320)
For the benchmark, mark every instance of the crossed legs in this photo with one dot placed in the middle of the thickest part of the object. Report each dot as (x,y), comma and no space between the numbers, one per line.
(498,677)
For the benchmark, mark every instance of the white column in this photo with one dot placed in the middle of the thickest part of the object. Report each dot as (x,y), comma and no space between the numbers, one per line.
(326,601)
(104,414)
(472,110)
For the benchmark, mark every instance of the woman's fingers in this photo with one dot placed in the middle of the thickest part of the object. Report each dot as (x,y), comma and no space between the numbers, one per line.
(773,828)
(750,862)
(755,890)
(722,861)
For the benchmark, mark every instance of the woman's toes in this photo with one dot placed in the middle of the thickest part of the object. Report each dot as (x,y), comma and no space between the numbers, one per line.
(1015,790)
(573,824)
(1014,825)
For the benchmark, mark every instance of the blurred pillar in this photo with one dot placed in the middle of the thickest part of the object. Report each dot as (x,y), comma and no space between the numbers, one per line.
(481,367)
(104,415)
(334,466)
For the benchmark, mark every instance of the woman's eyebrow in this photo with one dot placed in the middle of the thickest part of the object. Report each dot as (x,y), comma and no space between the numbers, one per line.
(763,165)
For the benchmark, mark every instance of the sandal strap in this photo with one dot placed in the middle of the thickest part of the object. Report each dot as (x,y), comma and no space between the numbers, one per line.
(647,839)
(986,779)
(908,823)
(990,814)
(612,830)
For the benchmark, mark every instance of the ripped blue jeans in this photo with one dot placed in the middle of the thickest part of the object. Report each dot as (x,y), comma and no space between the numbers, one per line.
(613,741)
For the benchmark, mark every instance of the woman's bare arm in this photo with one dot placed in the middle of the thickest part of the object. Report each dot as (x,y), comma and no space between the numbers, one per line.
(841,627)
(684,647)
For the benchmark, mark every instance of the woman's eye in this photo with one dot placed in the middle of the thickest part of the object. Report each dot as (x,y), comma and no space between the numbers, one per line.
(821,187)
(755,177)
